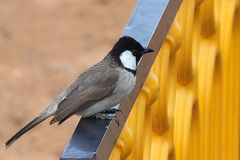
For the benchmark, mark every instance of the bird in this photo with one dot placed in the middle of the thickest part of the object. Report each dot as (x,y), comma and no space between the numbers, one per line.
(96,90)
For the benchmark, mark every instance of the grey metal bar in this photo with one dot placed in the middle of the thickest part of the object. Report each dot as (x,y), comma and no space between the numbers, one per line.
(94,139)
(86,138)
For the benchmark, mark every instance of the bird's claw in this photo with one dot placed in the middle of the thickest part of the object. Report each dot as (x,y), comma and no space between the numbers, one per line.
(116,120)
(112,111)
(107,116)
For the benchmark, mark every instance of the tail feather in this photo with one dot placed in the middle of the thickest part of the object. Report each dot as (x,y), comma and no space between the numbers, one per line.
(28,127)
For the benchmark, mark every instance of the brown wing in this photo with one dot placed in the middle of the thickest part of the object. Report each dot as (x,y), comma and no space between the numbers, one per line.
(90,87)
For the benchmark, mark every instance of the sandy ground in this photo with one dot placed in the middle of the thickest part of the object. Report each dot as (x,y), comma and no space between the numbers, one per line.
(44,45)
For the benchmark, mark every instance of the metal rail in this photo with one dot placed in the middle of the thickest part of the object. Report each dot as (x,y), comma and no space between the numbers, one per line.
(94,139)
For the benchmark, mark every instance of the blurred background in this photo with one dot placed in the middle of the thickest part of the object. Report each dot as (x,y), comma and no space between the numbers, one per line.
(44,46)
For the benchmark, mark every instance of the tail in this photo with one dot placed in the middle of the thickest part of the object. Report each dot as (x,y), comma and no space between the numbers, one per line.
(44,115)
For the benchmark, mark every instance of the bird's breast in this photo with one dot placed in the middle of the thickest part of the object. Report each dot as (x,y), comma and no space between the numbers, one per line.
(125,84)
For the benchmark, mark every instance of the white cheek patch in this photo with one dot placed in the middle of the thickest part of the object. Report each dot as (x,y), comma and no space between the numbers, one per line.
(128,60)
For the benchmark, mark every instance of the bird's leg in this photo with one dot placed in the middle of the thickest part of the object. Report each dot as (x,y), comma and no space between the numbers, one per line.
(112,111)
(107,116)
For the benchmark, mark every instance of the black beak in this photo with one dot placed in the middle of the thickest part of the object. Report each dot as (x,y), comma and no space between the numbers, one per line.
(147,50)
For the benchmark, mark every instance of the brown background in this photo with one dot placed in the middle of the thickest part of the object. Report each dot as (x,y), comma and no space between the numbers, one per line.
(44,45)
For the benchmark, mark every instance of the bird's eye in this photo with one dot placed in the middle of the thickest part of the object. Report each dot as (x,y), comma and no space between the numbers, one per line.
(134,52)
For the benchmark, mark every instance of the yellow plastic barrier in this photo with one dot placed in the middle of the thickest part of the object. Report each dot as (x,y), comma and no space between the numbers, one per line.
(189,107)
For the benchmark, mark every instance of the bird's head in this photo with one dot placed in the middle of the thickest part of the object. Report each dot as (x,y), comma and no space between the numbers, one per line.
(129,52)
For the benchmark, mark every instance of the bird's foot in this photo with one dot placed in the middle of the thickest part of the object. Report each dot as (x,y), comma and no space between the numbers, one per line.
(107,116)
(112,111)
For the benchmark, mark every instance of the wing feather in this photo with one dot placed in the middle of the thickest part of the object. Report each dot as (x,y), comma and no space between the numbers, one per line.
(90,87)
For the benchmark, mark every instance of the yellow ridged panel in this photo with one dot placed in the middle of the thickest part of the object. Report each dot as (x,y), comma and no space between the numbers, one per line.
(189,106)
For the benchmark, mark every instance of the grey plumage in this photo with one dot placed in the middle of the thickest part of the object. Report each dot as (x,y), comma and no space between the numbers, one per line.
(25,129)
(98,89)
(93,85)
